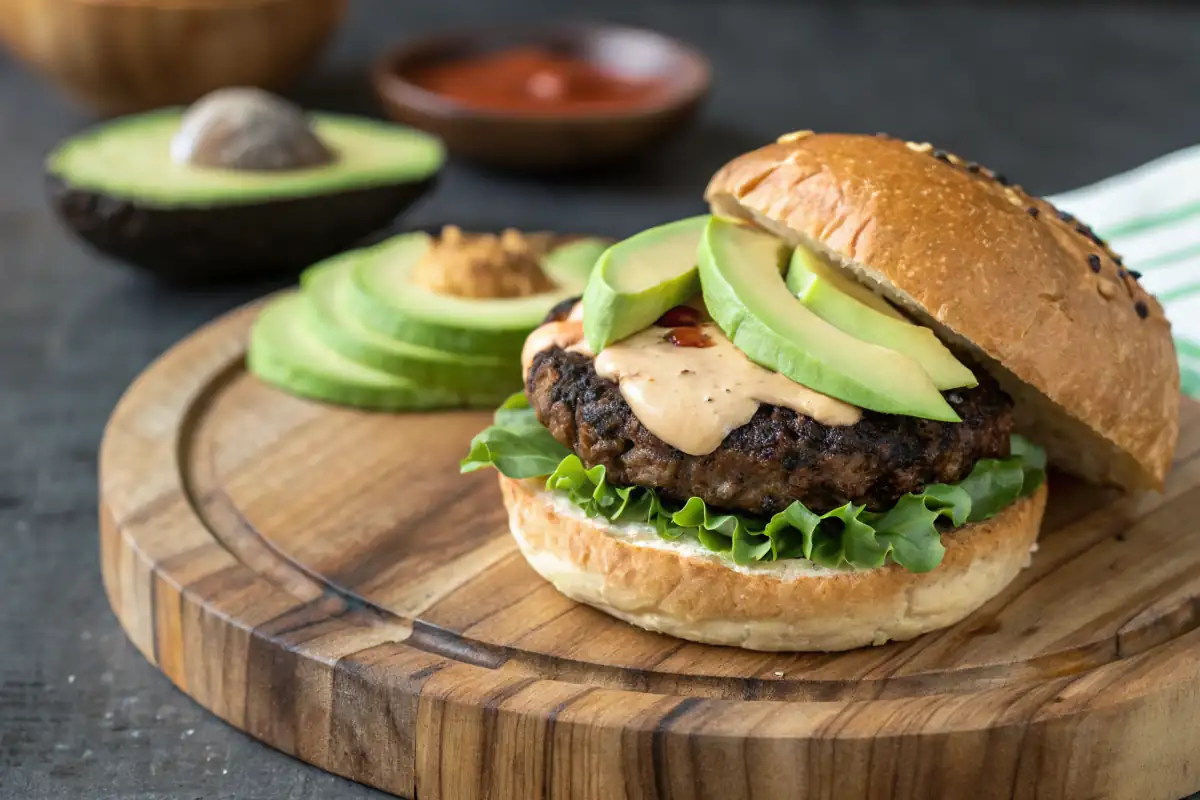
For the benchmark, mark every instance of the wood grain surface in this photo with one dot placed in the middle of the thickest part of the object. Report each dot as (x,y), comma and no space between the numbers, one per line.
(325,580)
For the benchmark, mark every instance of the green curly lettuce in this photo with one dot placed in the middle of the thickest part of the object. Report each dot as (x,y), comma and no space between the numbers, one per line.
(909,533)
(516,444)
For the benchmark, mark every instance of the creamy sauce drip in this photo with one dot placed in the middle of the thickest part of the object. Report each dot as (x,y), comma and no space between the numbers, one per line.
(690,397)
(693,397)
(563,333)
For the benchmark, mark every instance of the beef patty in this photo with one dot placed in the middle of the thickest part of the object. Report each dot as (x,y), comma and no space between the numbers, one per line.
(778,456)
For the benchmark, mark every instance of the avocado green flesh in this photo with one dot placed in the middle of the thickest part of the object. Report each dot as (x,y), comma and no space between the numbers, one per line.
(386,300)
(746,296)
(329,287)
(639,279)
(286,352)
(131,158)
(574,258)
(804,264)
(826,294)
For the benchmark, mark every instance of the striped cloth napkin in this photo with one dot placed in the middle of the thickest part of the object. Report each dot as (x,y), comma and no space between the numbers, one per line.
(1151,217)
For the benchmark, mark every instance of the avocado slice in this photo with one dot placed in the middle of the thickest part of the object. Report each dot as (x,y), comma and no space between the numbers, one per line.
(746,296)
(285,351)
(329,286)
(574,258)
(805,263)
(639,279)
(118,187)
(865,315)
(388,301)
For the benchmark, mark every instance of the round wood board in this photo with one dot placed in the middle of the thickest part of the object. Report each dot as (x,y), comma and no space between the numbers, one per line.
(325,580)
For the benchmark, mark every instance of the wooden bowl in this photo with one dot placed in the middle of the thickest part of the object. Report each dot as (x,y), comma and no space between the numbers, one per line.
(122,56)
(545,141)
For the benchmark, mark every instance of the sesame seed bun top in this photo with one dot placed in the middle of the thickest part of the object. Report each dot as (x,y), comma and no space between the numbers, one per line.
(1029,292)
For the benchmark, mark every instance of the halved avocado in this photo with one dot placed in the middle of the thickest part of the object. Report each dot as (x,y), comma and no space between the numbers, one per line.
(387,300)
(286,351)
(329,287)
(118,187)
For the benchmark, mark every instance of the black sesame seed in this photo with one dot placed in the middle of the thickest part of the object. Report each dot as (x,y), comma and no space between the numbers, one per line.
(1066,217)
(1094,262)
(941,155)
(1121,273)
(1032,211)
(1084,229)
(1118,260)
(1133,273)
(973,167)
(1141,309)
(1000,179)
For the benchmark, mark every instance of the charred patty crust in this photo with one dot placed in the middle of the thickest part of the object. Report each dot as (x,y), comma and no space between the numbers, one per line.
(778,456)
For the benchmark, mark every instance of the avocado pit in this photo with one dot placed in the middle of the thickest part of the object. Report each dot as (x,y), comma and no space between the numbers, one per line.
(248,129)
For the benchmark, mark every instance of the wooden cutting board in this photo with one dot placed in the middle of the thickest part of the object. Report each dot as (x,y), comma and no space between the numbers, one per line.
(325,580)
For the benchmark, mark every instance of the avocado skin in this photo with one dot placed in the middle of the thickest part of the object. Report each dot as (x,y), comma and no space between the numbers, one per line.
(188,245)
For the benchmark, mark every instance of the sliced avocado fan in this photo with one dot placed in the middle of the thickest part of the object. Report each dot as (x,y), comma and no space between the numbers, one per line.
(746,296)
(329,286)
(318,342)
(865,315)
(285,351)
(639,279)
(387,300)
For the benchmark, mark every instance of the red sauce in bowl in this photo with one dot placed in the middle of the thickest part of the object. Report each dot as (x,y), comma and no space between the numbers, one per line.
(533,80)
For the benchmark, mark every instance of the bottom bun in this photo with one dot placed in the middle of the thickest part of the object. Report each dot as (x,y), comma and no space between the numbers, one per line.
(681,589)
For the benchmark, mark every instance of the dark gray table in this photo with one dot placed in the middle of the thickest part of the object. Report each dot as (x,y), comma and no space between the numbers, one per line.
(1053,99)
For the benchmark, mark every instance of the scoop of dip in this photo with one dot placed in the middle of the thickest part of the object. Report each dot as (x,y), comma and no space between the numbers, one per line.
(248,129)
(485,265)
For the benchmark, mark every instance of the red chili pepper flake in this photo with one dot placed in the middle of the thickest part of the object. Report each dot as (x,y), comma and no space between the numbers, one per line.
(688,337)
(678,317)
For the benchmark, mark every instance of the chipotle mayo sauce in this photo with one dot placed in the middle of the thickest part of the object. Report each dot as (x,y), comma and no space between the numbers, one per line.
(692,397)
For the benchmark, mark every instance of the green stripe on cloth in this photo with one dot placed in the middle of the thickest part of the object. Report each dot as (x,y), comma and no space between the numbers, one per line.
(1187,348)
(1189,366)
(1189,380)
(1151,221)
(1174,257)
(1178,293)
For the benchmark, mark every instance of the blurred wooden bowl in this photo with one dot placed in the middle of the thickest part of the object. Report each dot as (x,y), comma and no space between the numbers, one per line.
(546,142)
(122,56)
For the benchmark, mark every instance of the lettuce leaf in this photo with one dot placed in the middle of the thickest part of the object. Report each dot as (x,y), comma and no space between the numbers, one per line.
(909,533)
(516,443)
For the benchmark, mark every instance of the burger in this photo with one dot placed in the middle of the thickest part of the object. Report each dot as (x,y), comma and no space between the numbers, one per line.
(820,416)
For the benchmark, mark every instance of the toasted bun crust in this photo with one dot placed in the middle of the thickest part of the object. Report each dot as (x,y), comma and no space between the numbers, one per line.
(1087,356)
(787,605)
